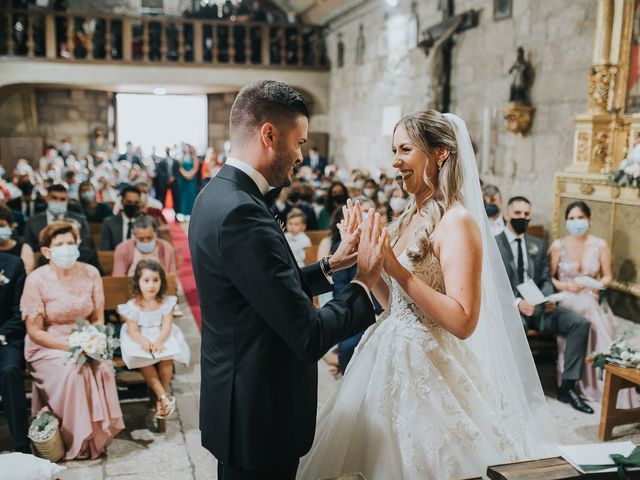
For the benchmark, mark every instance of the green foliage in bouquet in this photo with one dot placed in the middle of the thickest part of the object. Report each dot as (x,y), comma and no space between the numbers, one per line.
(622,353)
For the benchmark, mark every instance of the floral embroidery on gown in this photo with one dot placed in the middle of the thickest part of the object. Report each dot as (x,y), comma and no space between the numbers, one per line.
(413,404)
(84,398)
(603,330)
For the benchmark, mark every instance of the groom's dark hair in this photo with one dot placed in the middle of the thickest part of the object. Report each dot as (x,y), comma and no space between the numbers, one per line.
(264,101)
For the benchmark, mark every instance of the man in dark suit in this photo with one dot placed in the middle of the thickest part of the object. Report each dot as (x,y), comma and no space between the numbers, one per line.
(525,257)
(167,171)
(12,332)
(130,156)
(261,334)
(314,160)
(295,200)
(118,228)
(28,204)
(58,209)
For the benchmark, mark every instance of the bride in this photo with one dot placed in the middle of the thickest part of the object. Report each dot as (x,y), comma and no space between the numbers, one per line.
(443,384)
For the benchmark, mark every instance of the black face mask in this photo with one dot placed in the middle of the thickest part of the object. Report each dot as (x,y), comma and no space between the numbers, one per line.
(492,210)
(340,199)
(520,225)
(130,210)
(293,197)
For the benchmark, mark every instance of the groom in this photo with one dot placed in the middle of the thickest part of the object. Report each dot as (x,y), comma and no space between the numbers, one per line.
(261,334)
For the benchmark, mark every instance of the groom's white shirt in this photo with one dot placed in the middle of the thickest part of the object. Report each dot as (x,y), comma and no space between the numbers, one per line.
(264,187)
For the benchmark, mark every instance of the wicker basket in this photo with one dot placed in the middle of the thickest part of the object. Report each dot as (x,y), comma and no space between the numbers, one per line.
(50,448)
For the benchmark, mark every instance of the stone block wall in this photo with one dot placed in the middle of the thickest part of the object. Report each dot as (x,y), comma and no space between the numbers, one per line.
(557,36)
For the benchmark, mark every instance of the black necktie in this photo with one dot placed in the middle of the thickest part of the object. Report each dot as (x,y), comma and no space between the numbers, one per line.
(129,228)
(520,264)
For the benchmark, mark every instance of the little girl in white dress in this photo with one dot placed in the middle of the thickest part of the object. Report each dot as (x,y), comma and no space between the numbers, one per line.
(149,340)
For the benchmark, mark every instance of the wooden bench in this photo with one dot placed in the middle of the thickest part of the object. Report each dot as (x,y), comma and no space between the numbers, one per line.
(95,230)
(555,468)
(616,379)
(316,236)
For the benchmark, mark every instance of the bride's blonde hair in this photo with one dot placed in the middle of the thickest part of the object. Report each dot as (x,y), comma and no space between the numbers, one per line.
(427,131)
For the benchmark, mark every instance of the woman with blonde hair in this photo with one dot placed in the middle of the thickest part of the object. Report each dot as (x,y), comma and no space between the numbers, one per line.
(443,384)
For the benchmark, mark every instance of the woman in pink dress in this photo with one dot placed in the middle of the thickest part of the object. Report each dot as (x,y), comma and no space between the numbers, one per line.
(580,255)
(84,398)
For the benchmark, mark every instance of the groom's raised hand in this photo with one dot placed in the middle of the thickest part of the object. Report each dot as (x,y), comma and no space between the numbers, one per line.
(371,249)
(347,253)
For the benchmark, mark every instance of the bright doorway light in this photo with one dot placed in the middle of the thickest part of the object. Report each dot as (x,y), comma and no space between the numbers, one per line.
(161,120)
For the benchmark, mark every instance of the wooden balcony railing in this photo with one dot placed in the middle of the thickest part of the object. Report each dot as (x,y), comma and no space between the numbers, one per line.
(154,40)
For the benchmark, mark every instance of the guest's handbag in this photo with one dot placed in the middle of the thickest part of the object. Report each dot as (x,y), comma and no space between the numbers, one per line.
(44,433)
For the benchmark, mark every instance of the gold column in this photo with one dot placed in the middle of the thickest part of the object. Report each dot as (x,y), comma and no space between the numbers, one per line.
(601,69)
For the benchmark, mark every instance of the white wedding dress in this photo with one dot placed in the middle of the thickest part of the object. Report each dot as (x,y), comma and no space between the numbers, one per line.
(416,402)
(412,404)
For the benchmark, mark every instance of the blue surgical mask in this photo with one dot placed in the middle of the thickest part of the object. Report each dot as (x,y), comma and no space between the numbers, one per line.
(88,196)
(146,247)
(5,234)
(65,256)
(57,208)
(577,227)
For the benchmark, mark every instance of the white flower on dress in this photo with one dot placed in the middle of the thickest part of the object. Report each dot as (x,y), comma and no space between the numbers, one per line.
(3,279)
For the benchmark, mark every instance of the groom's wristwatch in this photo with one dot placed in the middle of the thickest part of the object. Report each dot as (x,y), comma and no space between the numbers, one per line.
(326,267)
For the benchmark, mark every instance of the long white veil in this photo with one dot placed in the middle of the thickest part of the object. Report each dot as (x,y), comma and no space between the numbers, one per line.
(499,341)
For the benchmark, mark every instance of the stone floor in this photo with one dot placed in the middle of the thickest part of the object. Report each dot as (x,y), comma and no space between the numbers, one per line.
(140,454)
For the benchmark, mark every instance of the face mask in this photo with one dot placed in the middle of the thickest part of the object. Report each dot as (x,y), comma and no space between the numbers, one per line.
(492,210)
(5,234)
(2,172)
(520,225)
(130,210)
(358,184)
(65,256)
(88,196)
(51,175)
(293,197)
(578,227)
(147,247)
(369,192)
(397,204)
(57,208)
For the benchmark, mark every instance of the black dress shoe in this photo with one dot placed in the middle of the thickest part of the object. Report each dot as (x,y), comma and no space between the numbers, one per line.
(571,397)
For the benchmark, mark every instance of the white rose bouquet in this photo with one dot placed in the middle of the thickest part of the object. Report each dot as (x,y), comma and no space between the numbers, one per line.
(88,341)
(624,352)
(628,173)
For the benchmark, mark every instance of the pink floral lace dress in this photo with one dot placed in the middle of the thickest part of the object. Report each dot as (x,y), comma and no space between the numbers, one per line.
(84,398)
(603,330)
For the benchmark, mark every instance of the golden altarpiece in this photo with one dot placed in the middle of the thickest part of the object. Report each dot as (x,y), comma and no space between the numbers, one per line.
(604,134)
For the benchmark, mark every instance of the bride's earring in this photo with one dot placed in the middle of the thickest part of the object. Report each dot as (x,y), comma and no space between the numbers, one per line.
(440,162)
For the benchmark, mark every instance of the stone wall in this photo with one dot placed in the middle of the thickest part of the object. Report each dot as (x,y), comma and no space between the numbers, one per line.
(218,118)
(395,77)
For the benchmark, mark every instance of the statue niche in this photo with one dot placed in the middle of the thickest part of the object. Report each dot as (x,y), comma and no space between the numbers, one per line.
(518,114)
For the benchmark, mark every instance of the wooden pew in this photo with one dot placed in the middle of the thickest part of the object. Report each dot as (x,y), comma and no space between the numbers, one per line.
(117,290)
(317,235)
(95,229)
(106,257)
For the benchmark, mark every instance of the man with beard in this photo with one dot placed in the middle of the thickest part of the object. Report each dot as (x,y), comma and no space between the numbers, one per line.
(261,334)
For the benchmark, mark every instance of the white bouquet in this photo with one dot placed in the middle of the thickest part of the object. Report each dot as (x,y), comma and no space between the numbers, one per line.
(624,352)
(89,341)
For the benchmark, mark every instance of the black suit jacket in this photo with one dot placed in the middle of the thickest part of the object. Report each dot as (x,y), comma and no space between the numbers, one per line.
(162,169)
(261,334)
(322,162)
(11,323)
(537,263)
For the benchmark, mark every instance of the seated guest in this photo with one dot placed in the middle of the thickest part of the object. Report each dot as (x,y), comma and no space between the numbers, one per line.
(28,204)
(12,332)
(370,190)
(118,228)
(145,245)
(106,193)
(151,207)
(8,242)
(492,202)
(396,204)
(576,255)
(314,160)
(94,211)
(295,200)
(85,398)
(525,257)
(57,209)
(336,198)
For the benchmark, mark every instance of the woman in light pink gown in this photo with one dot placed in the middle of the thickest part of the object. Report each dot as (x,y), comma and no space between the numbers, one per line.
(85,398)
(577,255)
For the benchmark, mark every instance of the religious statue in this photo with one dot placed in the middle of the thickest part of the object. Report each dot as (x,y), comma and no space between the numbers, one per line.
(521,76)
(518,114)
(340,51)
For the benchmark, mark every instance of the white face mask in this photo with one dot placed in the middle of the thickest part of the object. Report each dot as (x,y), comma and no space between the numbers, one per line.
(398,204)
(65,256)
(369,192)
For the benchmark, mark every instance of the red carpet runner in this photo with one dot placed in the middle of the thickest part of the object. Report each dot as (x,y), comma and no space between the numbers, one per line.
(185,273)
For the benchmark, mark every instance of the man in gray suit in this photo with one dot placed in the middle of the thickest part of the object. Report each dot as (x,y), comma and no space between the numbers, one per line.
(525,257)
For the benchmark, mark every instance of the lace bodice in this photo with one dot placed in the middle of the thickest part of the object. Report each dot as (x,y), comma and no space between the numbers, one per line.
(400,303)
(568,269)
